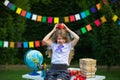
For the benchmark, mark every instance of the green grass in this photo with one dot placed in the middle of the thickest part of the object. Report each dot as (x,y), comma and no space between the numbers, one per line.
(16,72)
(113,74)
(13,72)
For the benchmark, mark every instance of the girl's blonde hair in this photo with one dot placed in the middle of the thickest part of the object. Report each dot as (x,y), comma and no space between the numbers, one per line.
(63,33)
(66,36)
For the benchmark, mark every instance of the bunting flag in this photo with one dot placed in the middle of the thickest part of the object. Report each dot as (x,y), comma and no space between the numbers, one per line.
(72,18)
(26,44)
(6,2)
(19,45)
(88,27)
(31,44)
(97,22)
(105,1)
(18,11)
(28,15)
(23,13)
(1,43)
(77,17)
(114,18)
(51,19)
(103,19)
(34,17)
(83,15)
(98,6)
(44,19)
(6,44)
(93,9)
(66,19)
(37,43)
(119,22)
(39,18)
(12,44)
(13,7)
(83,30)
(87,12)
(56,20)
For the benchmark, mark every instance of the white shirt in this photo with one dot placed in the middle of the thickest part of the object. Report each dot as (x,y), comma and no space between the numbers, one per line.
(60,56)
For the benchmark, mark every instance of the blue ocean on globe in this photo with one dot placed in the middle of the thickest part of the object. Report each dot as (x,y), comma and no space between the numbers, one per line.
(33,59)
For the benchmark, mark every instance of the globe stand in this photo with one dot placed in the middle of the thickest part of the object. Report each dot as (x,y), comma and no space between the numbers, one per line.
(34,73)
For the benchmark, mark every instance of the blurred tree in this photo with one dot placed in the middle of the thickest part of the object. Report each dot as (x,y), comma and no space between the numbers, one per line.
(102,43)
(11,29)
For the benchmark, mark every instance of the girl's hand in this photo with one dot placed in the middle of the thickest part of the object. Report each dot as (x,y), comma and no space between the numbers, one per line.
(67,29)
(55,27)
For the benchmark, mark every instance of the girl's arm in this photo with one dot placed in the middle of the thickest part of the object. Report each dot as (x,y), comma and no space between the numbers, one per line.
(76,37)
(46,39)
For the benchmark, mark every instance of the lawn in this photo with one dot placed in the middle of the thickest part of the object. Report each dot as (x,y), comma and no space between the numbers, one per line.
(15,72)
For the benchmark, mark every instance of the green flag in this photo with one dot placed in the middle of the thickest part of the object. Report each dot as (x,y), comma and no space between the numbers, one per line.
(1,43)
(83,30)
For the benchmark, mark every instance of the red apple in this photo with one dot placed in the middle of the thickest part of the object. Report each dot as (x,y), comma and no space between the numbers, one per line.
(79,73)
(60,26)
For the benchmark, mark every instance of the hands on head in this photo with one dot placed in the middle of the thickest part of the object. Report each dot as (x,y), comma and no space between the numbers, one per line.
(60,26)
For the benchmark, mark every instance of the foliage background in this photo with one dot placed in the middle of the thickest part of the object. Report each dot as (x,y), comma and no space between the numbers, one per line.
(102,44)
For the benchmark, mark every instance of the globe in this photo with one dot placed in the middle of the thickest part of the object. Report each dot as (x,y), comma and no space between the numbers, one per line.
(33,59)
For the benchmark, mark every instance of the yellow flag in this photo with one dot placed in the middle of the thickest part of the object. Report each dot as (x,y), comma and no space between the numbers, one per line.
(31,44)
(18,11)
(115,17)
(12,44)
(103,19)
(66,19)
(56,20)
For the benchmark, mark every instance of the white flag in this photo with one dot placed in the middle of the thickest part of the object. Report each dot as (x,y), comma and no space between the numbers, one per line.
(34,17)
(5,44)
(77,17)
(6,2)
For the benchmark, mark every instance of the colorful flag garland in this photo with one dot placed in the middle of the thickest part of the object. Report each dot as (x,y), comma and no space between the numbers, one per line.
(71,18)
(50,19)
(37,43)
(26,44)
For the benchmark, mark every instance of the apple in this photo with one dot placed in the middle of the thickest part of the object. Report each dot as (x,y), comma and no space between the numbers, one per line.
(78,73)
(60,26)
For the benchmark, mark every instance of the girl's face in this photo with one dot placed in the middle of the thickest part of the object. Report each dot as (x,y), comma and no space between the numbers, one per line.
(60,40)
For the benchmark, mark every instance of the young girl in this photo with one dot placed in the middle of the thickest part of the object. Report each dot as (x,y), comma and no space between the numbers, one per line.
(61,47)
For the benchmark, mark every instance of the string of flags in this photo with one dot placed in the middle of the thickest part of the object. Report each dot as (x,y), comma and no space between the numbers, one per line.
(98,23)
(26,44)
(50,19)
(38,43)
